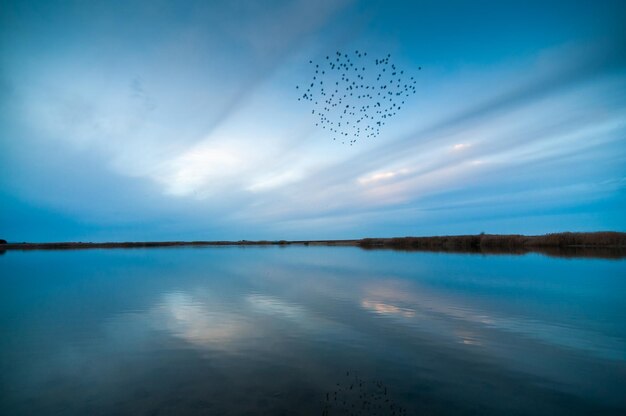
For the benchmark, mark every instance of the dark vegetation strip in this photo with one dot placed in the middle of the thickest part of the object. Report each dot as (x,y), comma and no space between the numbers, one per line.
(608,245)
(141,244)
(598,244)
(496,241)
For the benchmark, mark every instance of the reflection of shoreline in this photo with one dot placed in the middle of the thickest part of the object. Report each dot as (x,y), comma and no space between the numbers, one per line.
(563,252)
(608,245)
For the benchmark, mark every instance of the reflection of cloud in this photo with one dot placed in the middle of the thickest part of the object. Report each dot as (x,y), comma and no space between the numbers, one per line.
(383,298)
(204,324)
(274,306)
(299,318)
(387,309)
(389,290)
(194,322)
(468,338)
(454,319)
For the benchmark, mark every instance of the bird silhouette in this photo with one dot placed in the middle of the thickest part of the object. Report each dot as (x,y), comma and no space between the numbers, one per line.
(355,113)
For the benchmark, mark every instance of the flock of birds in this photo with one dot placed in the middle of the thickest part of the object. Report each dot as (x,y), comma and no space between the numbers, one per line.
(354,95)
(359,397)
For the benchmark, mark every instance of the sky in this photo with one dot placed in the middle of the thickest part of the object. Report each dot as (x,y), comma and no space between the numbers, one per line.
(165,120)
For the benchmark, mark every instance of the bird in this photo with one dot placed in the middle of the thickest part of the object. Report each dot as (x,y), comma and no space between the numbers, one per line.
(355,113)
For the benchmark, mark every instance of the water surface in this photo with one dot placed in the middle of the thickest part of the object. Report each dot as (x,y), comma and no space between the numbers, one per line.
(310,331)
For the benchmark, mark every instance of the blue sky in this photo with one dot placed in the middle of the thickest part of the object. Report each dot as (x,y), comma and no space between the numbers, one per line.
(179,120)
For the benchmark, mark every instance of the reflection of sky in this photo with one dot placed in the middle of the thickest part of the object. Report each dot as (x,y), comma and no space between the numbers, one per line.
(304,313)
(441,314)
(134,120)
(197,321)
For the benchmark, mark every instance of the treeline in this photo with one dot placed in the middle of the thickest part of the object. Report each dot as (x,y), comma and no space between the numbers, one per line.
(485,243)
(496,241)
(149,244)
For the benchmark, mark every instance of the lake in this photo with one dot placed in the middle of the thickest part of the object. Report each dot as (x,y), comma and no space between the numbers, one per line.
(310,331)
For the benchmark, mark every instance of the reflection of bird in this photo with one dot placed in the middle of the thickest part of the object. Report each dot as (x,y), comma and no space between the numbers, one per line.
(357,396)
(370,95)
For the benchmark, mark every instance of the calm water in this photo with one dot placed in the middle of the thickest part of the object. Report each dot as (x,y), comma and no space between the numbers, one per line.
(309,330)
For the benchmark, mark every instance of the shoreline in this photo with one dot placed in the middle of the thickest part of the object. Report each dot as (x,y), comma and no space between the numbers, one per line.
(481,243)
(150,244)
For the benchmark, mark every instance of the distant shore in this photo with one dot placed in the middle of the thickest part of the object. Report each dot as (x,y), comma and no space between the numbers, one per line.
(611,243)
(145,244)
